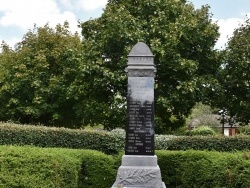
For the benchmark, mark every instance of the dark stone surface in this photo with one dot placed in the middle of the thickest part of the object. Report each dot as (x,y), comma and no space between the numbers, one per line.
(140,116)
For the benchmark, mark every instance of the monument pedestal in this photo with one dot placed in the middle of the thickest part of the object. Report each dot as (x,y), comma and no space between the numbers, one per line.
(139,171)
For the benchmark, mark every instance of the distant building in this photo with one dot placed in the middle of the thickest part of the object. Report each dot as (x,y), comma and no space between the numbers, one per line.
(230,130)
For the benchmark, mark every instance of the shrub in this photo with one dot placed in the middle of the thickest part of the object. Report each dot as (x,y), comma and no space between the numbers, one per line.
(111,142)
(202,130)
(163,141)
(54,168)
(216,143)
(245,130)
(32,167)
(61,137)
(203,169)
(66,168)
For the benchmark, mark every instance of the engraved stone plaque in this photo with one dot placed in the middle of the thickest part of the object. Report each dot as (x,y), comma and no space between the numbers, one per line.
(140,116)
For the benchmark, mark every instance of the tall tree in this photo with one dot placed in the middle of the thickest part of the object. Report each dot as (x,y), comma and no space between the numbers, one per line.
(37,76)
(180,37)
(235,77)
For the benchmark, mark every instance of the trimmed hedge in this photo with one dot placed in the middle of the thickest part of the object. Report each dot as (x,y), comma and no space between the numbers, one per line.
(111,142)
(29,167)
(104,141)
(204,169)
(216,143)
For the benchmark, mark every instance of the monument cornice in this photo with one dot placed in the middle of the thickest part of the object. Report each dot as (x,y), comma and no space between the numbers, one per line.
(136,72)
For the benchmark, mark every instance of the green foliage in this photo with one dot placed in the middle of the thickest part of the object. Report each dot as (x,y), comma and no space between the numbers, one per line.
(234,77)
(54,78)
(203,169)
(33,167)
(199,109)
(54,168)
(111,142)
(180,37)
(163,141)
(96,170)
(245,130)
(61,137)
(203,115)
(37,77)
(66,168)
(216,143)
(202,131)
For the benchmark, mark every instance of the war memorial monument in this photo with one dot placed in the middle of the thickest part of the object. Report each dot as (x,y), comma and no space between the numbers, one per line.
(139,168)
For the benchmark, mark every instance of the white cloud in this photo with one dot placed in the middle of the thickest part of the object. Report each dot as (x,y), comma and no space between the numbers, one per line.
(25,13)
(91,4)
(67,4)
(12,41)
(227,27)
(84,5)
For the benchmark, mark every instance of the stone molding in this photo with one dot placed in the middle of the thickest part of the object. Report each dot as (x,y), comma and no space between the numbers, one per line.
(141,72)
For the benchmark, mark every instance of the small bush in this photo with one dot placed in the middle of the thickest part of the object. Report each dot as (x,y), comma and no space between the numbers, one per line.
(163,141)
(245,130)
(202,131)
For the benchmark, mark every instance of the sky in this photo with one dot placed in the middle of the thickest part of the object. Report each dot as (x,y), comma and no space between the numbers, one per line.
(17,17)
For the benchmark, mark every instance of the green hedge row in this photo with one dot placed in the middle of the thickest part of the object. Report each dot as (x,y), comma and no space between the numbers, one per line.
(29,167)
(205,169)
(217,143)
(15,134)
(111,142)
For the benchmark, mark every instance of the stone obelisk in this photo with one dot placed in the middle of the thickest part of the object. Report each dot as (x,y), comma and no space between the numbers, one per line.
(139,168)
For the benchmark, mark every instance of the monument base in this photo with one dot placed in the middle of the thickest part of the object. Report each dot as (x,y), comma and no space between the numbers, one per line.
(139,171)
